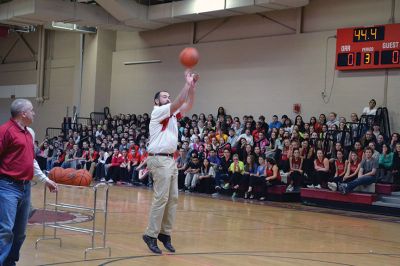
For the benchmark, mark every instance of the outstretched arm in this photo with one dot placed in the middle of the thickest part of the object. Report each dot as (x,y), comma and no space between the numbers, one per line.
(185,99)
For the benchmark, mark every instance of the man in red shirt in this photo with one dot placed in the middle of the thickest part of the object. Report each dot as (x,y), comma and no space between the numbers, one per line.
(16,171)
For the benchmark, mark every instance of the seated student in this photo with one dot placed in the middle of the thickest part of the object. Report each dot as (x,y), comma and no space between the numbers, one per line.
(385,162)
(366,175)
(181,165)
(232,138)
(272,177)
(321,171)
(358,149)
(100,172)
(124,167)
(236,170)
(396,165)
(91,160)
(307,154)
(394,139)
(113,169)
(353,167)
(271,150)
(370,109)
(192,173)
(250,169)
(206,177)
(257,178)
(222,173)
(286,153)
(296,171)
(213,159)
(134,161)
(247,135)
(375,153)
(58,159)
(340,170)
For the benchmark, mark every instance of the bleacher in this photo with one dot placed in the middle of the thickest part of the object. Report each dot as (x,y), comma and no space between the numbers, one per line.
(377,198)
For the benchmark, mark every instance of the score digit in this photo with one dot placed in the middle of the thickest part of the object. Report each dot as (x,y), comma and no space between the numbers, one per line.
(357,34)
(364,34)
(367,58)
(374,32)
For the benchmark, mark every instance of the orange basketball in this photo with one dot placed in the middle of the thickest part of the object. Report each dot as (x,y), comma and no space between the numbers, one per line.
(189,57)
(83,178)
(55,173)
(70,176)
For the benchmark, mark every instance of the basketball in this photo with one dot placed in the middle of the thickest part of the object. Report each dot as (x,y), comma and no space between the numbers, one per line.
(55,173)
(82,178)
(70,176)
(189,57)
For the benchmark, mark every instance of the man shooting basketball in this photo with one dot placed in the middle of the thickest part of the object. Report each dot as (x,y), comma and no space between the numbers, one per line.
(163,143)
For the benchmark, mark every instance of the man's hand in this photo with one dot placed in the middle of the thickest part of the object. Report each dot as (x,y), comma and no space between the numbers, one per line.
(191,78)
(51,185)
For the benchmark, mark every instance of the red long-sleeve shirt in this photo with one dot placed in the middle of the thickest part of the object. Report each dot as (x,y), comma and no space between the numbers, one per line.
(117,160)
(16,151)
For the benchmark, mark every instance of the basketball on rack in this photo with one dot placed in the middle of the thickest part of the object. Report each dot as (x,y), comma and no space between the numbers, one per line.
(70,176)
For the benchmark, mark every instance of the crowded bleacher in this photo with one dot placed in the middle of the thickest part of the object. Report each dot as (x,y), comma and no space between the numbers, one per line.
(241,157)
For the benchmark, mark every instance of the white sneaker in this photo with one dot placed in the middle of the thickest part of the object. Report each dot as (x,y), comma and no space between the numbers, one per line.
(290,188)
(110,181)
(310,186)
(103,180)
(332,186)
(318,186)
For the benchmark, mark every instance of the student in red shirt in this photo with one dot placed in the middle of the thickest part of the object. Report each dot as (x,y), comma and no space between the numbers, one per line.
(341,168)
(114,167)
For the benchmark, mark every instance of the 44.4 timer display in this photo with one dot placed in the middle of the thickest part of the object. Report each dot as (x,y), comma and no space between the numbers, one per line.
(368,47)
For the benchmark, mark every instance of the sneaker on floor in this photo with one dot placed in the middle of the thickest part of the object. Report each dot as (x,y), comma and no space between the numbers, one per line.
(110,181)
(226,186)
(214,195)
(262,198)
(332,186)
(318,186)
(103,180)
(251,196)
(310,186)
(290,188)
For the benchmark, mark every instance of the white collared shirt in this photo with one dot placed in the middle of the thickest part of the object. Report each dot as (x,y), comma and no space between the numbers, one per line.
(163,141)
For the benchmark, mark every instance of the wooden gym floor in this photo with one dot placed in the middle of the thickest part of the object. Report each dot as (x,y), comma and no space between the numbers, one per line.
(221,232)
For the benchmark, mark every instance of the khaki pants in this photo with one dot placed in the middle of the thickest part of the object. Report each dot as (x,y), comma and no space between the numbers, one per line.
(165,198)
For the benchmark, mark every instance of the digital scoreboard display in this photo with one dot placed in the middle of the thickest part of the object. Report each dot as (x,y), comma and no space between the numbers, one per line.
(368,47)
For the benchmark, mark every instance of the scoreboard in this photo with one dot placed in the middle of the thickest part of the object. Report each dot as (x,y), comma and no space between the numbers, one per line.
(368,47)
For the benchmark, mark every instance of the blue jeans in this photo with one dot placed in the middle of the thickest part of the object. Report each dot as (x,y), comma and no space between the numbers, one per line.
(14,212)
(362,180)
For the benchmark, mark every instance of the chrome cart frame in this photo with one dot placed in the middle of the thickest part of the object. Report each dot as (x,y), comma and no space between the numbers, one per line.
(92,210)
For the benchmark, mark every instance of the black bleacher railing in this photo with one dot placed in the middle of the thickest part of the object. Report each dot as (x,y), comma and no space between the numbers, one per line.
(74,126)
(84,121)
(52,132)
(382,119)
(97,116)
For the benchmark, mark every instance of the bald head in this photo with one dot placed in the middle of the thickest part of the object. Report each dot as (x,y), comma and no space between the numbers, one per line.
(22,111)
(19,106)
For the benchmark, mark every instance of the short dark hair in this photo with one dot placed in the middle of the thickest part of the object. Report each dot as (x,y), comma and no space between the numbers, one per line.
(157,95)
